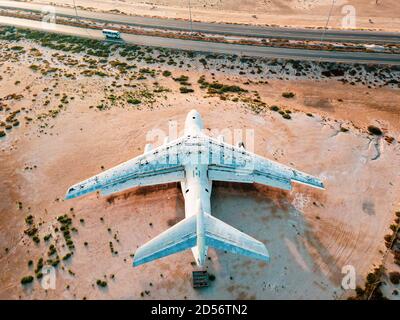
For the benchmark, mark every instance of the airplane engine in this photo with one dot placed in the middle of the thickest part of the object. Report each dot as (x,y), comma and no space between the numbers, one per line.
(148,147)
(240,145)
(221,138)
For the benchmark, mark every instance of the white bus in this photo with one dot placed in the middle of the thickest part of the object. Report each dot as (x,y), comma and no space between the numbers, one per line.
(111,34)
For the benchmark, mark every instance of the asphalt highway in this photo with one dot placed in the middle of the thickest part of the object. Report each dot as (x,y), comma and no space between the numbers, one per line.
(216,47)
(218,28)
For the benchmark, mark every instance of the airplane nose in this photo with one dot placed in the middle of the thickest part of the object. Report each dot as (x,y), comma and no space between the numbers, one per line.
(193,122)
(194,114)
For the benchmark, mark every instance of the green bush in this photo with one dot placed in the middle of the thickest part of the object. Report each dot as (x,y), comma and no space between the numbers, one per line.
(274,108)
(374,130)
(133,101)
(288,95)
(26,280)
(185,90)
(181,79)
(101,283)
(29,219)
(67,256)
(394,277)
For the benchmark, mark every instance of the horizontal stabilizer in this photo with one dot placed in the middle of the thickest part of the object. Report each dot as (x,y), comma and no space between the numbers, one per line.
(180,237)
(222,236)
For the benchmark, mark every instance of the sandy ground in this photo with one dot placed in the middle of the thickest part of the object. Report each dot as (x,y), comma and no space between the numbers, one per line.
(370,14)
(311,234)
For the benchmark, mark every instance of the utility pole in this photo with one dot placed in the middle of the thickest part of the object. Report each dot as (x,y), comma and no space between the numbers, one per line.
(190,17)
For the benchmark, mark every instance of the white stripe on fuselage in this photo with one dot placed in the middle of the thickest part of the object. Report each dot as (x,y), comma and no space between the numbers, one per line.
(196,189)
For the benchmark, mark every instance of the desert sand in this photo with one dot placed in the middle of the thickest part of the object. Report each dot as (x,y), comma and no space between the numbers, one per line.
(310,234)
(370,14)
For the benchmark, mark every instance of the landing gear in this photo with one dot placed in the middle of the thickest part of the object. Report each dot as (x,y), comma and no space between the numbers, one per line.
(200,279)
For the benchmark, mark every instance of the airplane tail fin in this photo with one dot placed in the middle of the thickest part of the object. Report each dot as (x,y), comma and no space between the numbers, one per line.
(221,235)
(179,237)
(183,236)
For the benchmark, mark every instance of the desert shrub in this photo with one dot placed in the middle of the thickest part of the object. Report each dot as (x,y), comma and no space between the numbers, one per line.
(181,79)
(211,277)
(359,291)
(101,283)
(133,101)
(26,280)
(185,90)
(67,256)
(288,95)
(371,278)
(286,116)
(394,277)
(166,73)
(374,130)
(274,108)
(388,237)
(55,262)
(29,219)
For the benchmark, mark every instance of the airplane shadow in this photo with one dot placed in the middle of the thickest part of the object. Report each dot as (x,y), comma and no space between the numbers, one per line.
(300,265)
(299,260)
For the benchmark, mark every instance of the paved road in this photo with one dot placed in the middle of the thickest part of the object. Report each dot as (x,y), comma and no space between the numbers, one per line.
(216,28)
(215,47)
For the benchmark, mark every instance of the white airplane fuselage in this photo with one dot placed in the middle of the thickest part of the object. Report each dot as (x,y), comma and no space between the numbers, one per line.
(200,160)
(196,189)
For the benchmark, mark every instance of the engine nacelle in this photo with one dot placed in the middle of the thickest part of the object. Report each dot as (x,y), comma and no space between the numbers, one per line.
(148,147)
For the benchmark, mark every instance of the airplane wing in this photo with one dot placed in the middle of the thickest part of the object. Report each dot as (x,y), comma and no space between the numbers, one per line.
(231,163)
(158,166)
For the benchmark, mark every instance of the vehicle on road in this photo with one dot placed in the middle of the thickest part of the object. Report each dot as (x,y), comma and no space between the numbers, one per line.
(111,34)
